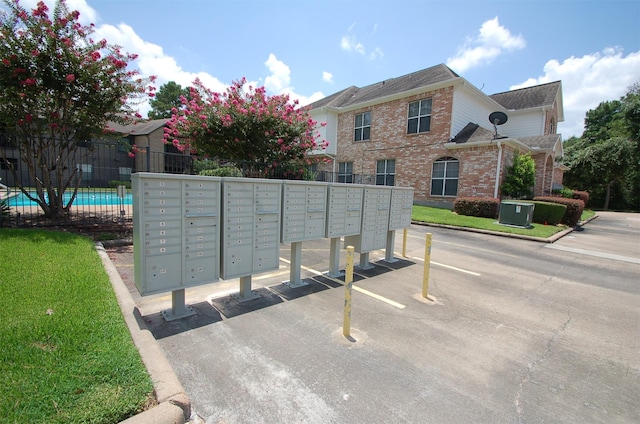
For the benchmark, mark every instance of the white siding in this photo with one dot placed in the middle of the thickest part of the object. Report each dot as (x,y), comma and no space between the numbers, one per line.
(468,108)
(328,132)
(523,124)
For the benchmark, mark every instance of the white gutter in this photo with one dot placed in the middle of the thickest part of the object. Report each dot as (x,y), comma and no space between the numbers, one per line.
(497,185)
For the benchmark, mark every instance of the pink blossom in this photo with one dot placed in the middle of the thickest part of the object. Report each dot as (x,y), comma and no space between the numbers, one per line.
(70,78)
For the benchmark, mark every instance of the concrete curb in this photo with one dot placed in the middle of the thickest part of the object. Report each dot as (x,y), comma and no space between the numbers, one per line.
(551,239)
(174,406)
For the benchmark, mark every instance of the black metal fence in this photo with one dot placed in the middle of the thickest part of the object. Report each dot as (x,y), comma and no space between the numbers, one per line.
(103,166)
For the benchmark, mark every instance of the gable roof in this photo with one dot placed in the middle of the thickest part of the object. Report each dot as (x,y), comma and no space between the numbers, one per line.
(541,142)
(354,95)
(139,128)
(529,97)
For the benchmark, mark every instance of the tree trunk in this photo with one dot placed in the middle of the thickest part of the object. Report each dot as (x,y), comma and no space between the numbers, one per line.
(607,195)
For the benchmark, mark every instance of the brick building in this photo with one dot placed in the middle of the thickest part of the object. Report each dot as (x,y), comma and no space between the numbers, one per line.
(430,130)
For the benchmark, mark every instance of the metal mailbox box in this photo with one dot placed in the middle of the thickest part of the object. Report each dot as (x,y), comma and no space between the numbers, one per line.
(375,220)
(176,233)
(304,211)
(401,206)
(344,209)
(250,226)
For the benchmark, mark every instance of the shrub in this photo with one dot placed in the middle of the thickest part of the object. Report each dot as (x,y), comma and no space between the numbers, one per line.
(574,208)
(483,207)
(566,193)
(116,183)
(582,195)
(548,213)
(223,171)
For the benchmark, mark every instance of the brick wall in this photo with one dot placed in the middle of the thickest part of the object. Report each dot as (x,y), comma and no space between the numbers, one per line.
(415,153)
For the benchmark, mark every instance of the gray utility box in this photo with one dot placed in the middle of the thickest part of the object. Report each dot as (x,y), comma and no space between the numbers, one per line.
(304,208)
(519,214)
(375,220)
(344,211)
(175,231)
(250,226)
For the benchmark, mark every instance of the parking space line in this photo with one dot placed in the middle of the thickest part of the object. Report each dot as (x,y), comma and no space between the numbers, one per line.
(503,254)
(449,267)
(594,253)
(356,288)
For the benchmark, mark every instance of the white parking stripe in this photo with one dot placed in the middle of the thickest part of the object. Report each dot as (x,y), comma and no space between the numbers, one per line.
(594,253)
(356,288)
(449,267)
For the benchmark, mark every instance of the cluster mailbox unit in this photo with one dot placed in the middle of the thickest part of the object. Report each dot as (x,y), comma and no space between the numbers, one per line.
(191,230)
(176,235)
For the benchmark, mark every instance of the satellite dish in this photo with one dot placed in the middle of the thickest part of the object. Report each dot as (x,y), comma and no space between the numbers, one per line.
(497,118)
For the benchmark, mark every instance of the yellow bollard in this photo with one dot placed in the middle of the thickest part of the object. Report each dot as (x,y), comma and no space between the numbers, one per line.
(348,285)
(404,243)
(427,263)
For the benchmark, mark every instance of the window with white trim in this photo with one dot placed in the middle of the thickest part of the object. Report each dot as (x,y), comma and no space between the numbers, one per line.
(362,127)
(386,172)
(345,172)
(444,177)
(419,117)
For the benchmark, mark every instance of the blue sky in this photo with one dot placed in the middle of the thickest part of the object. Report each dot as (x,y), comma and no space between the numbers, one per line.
(310,49)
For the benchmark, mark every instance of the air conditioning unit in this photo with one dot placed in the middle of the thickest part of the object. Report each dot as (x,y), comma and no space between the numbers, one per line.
(518,214)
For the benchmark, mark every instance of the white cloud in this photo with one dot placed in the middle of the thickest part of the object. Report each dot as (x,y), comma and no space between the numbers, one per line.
(492,41)
(280,77)
(587,81)
(152,60)
(376,54)
(279,81)
(327,76)
(349,43)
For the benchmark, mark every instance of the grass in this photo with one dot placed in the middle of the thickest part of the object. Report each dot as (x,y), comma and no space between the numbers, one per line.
(66,353)
(446,217)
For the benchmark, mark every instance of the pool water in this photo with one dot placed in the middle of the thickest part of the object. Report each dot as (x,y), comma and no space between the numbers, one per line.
(95,198)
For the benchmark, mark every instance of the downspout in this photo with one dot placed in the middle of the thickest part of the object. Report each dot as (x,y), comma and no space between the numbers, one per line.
(497,185)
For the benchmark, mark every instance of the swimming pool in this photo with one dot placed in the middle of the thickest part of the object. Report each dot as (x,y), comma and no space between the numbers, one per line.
(92,198)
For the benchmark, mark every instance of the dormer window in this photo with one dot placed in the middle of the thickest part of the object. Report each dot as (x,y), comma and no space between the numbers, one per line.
(362,131)
(419,119)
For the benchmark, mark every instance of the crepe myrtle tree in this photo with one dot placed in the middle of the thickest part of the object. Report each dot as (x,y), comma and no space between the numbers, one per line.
(269,134)
(58,89)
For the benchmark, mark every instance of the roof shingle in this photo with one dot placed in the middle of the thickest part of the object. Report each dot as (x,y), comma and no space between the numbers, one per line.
(355,95)
(529,97)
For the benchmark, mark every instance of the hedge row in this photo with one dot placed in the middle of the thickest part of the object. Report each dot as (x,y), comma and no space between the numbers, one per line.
(483,207)
(548,213)
(575,207)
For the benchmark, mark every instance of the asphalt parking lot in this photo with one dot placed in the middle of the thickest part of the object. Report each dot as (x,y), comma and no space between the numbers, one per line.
(517,331)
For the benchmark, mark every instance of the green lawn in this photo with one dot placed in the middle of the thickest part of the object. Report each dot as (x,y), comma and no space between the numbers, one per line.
(446,217)
(66,353)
